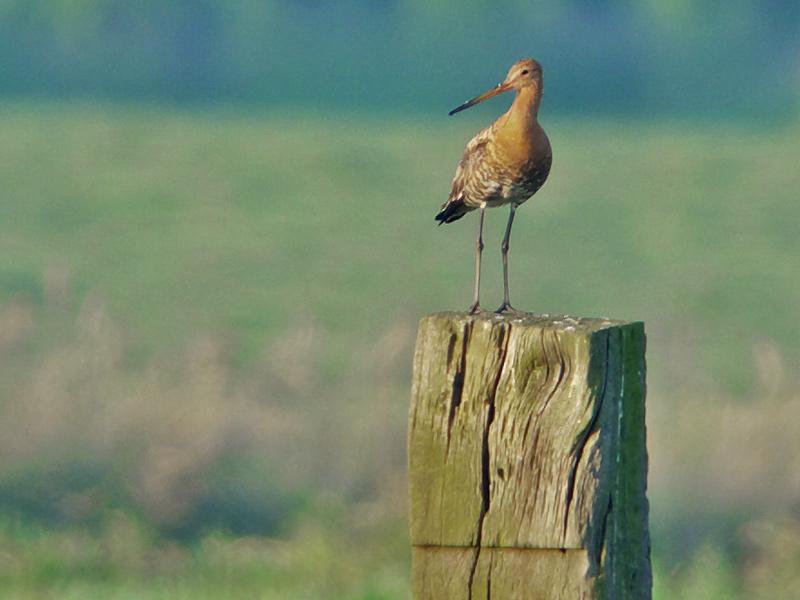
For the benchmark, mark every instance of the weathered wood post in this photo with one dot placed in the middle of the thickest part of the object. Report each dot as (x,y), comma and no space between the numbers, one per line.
(527,459)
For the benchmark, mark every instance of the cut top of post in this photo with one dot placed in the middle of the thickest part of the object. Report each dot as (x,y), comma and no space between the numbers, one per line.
(558,322)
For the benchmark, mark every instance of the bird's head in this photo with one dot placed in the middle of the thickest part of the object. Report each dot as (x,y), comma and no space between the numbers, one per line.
(525,73)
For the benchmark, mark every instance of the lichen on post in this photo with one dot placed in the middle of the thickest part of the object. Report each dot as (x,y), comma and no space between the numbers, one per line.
(527,458)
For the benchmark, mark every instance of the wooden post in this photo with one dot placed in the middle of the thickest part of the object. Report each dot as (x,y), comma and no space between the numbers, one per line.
(527,459)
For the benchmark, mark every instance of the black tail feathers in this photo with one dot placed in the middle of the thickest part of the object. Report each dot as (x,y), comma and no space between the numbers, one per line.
(453,210)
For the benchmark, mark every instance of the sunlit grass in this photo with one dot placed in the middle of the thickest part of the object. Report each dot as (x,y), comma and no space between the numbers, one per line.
(248,224)
(206,321)
(124,561)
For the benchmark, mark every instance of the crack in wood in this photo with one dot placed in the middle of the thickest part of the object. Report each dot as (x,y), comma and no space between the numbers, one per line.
(563,362)
(562,369)
(527,427)
(583,437)
(458,378)
(486,481)
(451,345)
(537,482)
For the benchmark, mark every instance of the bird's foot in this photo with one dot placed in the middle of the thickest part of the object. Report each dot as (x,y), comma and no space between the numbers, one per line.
(506,309)
(475,309)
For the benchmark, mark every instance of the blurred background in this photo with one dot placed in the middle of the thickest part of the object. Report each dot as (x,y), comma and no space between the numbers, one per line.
(217,238)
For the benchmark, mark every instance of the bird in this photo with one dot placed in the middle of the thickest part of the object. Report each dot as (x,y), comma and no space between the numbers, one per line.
(505,163)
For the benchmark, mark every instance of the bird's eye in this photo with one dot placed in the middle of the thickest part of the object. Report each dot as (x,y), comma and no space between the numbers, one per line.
(525,72)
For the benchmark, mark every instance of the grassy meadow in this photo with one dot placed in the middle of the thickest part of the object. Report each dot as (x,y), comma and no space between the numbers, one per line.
(207,319)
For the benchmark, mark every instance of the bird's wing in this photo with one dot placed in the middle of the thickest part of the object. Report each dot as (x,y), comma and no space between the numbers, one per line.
(468,167)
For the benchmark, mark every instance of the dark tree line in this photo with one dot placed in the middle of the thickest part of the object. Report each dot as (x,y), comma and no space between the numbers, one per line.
(612,57)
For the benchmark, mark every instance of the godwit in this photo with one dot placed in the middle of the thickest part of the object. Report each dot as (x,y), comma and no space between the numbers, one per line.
(506,163)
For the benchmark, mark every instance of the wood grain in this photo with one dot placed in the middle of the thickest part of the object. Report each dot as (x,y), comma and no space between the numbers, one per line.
(527,450)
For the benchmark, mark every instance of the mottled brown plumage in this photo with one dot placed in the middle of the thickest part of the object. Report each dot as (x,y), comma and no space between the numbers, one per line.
(506,163)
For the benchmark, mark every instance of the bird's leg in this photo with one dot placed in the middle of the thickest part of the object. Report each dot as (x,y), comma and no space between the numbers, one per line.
(476,306)
(506,306)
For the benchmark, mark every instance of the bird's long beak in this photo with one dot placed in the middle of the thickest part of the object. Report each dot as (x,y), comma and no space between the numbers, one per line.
(498,89)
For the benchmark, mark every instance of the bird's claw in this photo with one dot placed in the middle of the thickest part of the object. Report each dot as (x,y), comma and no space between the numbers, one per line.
(506,309)
(475,309)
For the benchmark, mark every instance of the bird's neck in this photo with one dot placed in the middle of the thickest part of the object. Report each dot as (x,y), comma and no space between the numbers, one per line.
(519,127)
(525,108)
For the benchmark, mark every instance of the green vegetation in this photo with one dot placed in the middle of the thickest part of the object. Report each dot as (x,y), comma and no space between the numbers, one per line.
(205,222)
(124,561)
(206,324)
(657,57)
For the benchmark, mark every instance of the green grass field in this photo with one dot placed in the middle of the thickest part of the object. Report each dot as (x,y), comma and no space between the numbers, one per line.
(197,309)
(192,222)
